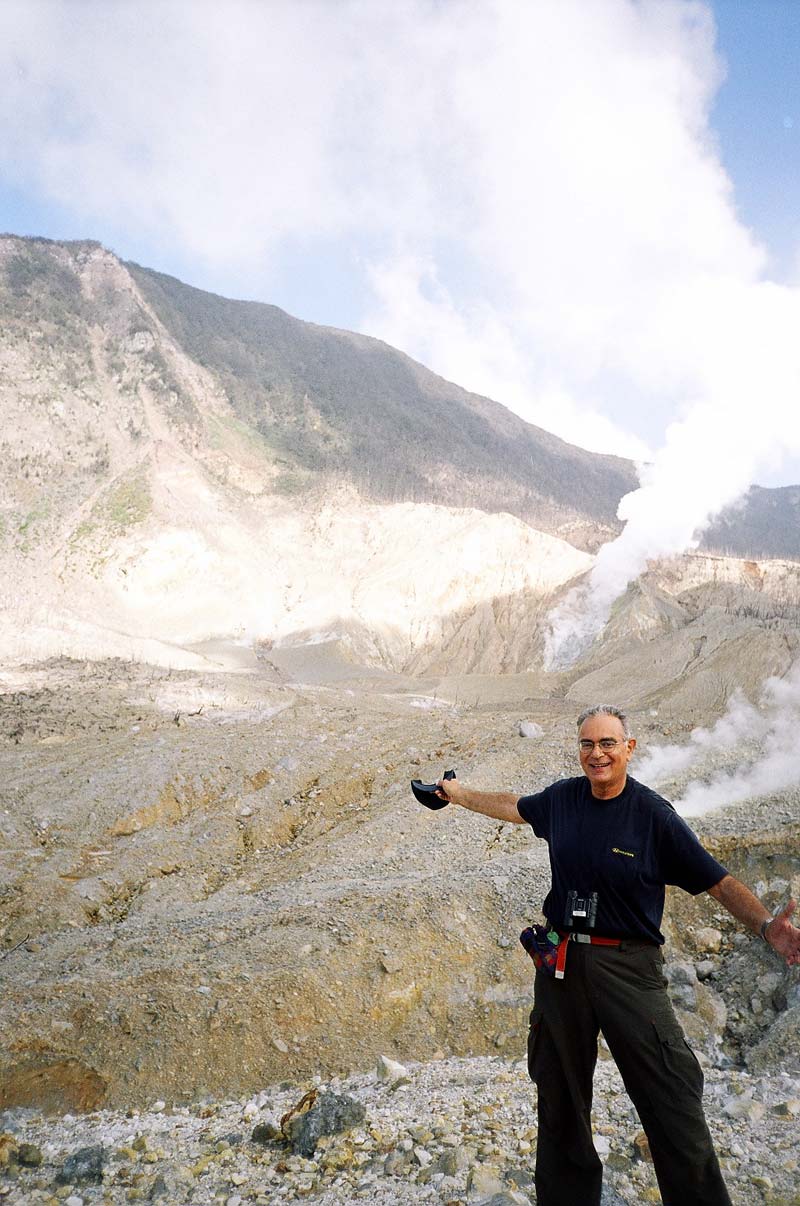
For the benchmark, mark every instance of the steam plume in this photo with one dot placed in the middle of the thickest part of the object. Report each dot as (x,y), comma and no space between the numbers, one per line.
(764,737)
(745,418)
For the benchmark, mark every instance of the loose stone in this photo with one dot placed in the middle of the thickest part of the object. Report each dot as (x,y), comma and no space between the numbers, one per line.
(484,1180)
(641,1148)
(330,1114)
(30,1155)
(390,1070)
(85,1165)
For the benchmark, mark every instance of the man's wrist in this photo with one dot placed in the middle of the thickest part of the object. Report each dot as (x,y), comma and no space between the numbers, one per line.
(764,926)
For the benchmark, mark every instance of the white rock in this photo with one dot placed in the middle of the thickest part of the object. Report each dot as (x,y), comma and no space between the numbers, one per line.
(708,939)
(484,1180)
(389,1069)
(744,1107)
(527,728)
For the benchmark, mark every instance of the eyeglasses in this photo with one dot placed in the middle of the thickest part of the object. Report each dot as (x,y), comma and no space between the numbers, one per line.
(605,743)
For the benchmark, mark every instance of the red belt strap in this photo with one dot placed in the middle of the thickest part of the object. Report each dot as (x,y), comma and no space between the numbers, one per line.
(587,939)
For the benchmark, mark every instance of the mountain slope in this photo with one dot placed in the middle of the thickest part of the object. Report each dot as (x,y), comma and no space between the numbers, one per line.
(333,402)
(138,503)
(764,523)
(176,466)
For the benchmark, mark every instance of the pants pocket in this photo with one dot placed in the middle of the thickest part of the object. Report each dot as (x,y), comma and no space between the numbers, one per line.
(534,1037)
(680,1062)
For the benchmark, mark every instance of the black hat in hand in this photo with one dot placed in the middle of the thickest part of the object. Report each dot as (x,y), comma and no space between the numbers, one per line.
(426,792)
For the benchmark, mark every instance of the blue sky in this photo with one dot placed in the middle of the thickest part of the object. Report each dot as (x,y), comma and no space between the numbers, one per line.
(586,211)
(757,118)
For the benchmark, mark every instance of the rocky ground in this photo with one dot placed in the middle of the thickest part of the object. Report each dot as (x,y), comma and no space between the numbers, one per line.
(448,1131)
(213,883)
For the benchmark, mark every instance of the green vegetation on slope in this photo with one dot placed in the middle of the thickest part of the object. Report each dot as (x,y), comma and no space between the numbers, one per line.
(126,502)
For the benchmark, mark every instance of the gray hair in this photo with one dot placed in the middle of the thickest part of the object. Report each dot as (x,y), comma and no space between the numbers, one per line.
(607,710)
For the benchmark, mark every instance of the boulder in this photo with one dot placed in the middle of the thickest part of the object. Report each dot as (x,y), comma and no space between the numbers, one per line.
(83,1167)
(330,1114)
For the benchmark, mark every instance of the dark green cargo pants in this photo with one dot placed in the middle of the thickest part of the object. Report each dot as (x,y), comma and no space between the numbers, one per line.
(621,992)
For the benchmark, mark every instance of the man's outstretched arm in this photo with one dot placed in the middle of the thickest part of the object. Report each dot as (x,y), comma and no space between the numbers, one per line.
(747,908)
(501,805)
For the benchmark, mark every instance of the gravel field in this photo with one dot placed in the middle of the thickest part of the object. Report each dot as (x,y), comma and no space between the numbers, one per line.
(449,1131)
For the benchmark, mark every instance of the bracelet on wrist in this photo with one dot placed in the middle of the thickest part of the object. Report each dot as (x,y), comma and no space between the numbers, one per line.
(763,931)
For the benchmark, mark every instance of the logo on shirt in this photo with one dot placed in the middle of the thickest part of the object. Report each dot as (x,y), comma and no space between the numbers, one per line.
(627,853)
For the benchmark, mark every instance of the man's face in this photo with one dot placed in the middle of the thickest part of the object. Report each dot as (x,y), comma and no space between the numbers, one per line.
(605,766)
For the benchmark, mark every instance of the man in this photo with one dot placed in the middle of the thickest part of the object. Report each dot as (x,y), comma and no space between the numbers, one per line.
(609,835)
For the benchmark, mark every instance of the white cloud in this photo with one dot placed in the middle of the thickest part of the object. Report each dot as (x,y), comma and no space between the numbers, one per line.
(582,179)
(208,124)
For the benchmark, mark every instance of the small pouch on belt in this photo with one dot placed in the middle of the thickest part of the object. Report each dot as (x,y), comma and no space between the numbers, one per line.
(547,949)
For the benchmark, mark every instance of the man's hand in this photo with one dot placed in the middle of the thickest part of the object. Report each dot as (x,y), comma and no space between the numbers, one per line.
(449,789)
(783,936)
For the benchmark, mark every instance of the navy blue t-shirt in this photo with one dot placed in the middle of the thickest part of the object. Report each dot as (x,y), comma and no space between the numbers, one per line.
(624,849)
